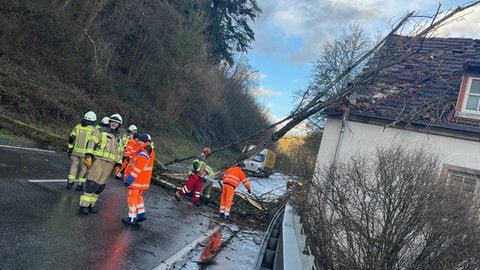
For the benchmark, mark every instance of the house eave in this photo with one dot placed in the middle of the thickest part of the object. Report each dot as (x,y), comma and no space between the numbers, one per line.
(437,128)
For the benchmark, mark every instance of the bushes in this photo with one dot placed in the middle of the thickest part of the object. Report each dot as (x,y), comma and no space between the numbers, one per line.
(390,211)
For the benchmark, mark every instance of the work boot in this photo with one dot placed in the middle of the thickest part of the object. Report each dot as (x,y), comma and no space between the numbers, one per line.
(142,217)
(177,195)
(83,210)
(222,215)
(129,221)
(79,187)
(197,204)
(69,185)
(93,209)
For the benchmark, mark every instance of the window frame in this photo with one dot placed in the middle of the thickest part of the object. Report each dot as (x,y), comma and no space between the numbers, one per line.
(468,93)
(451,171)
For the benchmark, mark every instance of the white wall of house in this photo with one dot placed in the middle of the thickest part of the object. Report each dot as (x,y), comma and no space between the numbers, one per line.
(363,139)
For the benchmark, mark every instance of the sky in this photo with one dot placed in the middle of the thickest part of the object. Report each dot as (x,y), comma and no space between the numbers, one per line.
(290,34)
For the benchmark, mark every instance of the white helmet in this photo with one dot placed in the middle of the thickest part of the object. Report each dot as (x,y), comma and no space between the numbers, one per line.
(116,118)
(90,116)
(105,120)
(132,128)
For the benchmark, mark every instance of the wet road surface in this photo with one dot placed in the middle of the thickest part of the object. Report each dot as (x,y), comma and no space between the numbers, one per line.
(42,229)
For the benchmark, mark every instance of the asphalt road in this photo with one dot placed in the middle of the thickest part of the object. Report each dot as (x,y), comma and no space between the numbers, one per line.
(42,229)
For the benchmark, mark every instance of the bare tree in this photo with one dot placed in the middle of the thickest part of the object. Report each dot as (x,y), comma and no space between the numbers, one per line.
(335,57)
(332,95)
(390,211)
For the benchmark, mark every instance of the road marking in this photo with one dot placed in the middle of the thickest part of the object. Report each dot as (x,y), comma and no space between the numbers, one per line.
(26,148)
(164,265)
(47,180)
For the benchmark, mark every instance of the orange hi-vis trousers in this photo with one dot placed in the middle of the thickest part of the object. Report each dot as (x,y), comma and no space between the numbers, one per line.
(226,200)
(135,202)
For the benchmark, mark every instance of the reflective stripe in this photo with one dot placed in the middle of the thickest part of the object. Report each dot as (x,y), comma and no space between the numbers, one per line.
(82,135)
(106,147)
(232,180)
(144,154)
(139,185)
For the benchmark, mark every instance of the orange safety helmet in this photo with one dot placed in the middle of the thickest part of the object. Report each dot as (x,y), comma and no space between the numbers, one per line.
(207,151)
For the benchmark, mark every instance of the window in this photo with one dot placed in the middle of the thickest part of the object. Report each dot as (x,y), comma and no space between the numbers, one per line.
(472,104)
(463,181)
(466,181)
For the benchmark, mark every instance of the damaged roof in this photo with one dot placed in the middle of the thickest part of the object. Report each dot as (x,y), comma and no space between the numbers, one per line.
(416,81)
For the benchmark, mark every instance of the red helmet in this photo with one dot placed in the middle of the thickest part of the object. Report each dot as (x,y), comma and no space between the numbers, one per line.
(207,151)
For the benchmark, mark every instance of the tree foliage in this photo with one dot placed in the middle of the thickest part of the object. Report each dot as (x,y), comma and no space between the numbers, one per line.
(229,30)
(297,154)
(156,62)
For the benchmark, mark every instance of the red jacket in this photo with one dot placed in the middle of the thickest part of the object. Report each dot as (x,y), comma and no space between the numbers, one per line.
(143,166)
(233,176)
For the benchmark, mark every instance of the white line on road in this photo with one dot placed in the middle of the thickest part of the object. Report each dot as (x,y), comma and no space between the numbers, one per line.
(47,180)
(164,265)
(26,148)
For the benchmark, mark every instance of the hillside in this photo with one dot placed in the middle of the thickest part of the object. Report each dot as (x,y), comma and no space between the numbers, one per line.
(153,63)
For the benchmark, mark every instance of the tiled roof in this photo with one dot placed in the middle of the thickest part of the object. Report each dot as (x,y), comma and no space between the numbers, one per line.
(423,88)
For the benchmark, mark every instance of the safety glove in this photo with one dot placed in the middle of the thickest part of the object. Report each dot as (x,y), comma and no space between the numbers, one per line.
(69,151)
(129,180)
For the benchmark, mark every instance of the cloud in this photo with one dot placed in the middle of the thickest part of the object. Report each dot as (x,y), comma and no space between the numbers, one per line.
(296,30)
(258,76)
(464,25)
(261,91)
(290,34)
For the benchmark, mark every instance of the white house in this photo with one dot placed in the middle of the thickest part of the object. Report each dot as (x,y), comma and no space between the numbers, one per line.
(430,99)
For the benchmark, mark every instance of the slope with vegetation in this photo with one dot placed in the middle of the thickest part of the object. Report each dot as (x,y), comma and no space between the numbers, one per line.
(165,66)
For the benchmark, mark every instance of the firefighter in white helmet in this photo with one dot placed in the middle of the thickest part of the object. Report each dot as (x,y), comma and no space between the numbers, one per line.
(76,149)
(104,123)
(106,148)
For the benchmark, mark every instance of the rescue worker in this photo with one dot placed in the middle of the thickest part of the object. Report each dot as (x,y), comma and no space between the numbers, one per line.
(128,138)
(77,147)
(194,183)
(105,146)
(231,179)
(138,180)
(206,182)
(129,154)
(103,123)
(132,129)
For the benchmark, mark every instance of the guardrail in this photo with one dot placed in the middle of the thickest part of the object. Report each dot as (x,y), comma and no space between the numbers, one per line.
(284,244)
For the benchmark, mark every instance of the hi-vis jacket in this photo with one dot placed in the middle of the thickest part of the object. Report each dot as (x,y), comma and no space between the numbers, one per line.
(131,148)
(202,166)
(79,138)
(233,176)
(105,145)
(143,167)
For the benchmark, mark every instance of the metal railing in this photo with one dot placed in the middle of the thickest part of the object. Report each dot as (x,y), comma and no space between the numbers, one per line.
(284,244)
